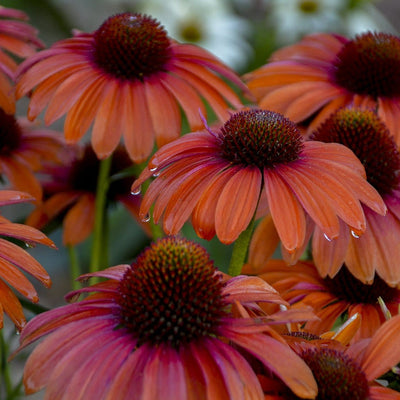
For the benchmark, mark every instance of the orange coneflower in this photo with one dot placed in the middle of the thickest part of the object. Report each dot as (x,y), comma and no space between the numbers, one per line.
(24,148)
(346,372)
(70,192)
(131,79)
(19,39)
(301,284)
(377,250)
(164,327)
(324,72)
(13,258)
(218,175)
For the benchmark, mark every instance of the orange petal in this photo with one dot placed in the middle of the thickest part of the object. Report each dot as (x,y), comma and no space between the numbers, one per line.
(263,243)
(188,99)
(107,127)
(237,204)
(83,112)
(138,126)
(10,304)
(286,211)
(165,114)
(16,279)
(187,194)
(203,217)
(67,93)
(21,177)
(79,221)
(383,352)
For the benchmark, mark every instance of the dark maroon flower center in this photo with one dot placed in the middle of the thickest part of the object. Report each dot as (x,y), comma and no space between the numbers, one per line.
(260,138)
(10,133)
(337,375)
(369,65)
(346,287)
(171,294)
(131,46)
(367,136)
(84,171)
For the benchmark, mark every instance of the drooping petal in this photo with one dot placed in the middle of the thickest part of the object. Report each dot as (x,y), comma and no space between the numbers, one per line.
(79,221)
(237,204)
(378,356)
(203,217)
(286,211)
(10,304)
(329,255)
(164,111)
(138,127)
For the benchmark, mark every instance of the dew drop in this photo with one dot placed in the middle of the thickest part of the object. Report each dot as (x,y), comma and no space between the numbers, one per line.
(153,169)
(327,237)
(136,191)
(157,173)
(354,234)
(146,218)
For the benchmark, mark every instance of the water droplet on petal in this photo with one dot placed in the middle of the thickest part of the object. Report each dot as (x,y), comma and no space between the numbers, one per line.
(327,237)
(146,218)
(136,191)
(355,235)
(153,169)
(157,173)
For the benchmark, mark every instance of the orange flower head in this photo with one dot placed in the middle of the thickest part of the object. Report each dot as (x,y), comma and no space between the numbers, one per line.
(368,137)
(129,79)
(168,325)
(311,79)
(218,176)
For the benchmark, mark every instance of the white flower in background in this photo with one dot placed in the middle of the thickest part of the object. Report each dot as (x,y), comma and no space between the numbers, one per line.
(367,18)
(292,19)
(210,24)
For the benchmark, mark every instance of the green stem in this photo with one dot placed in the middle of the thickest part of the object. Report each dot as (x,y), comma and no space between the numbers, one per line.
(156,230)
(75,270)
(96,260)
(239,251)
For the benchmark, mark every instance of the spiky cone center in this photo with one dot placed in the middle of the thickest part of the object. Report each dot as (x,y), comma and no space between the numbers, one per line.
(337,375)
(369,65)
(171,294)
(131,46)
(368,137)
(10,133)
(347,287)
(260,138)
